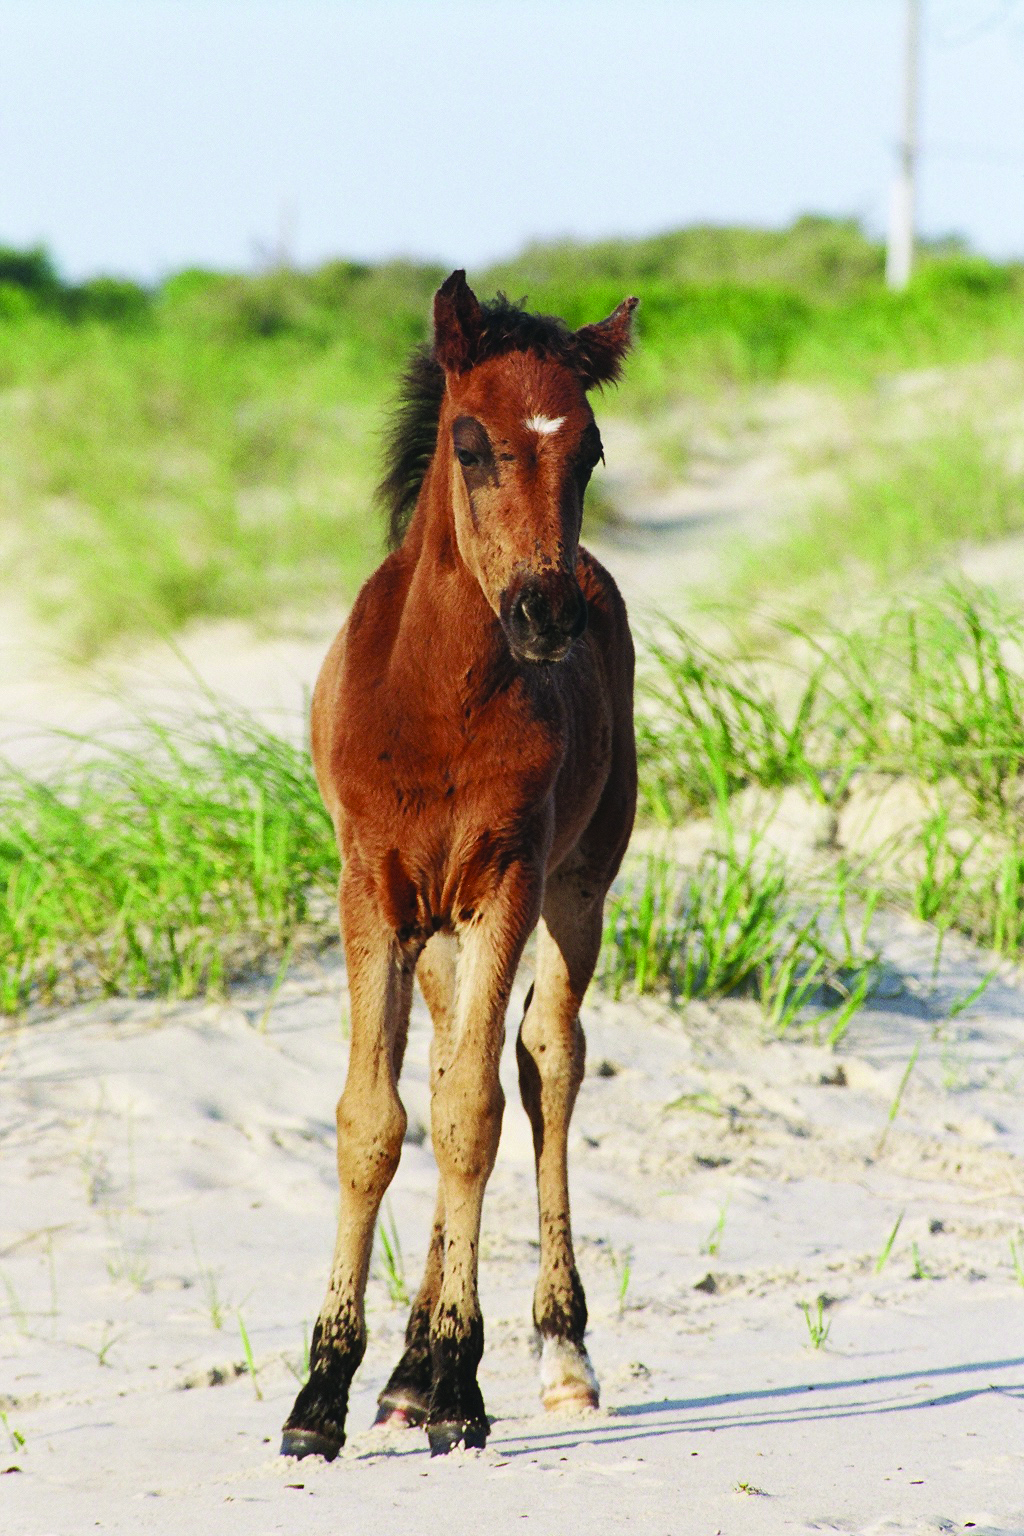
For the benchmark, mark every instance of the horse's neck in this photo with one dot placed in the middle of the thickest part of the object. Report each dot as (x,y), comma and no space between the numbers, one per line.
(445,609)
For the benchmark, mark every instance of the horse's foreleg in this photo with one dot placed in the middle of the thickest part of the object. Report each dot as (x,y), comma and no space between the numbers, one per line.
(550,1052)
(406,1398)
(466,1113)
(371,1127)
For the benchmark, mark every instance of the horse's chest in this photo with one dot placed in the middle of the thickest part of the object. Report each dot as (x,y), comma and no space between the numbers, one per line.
(423,777)
(419,770)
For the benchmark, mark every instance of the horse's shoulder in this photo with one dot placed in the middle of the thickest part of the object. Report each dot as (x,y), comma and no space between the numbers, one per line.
(605,604)
(376,613)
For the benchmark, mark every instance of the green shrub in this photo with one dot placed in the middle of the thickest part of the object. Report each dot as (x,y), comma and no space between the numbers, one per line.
(210,448)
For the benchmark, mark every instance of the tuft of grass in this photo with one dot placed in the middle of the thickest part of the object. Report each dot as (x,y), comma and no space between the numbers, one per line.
(622,1264)
(704,1103)
(894,1107)
(107,1341)
(883,1257)
(15,1436)
(733,925)
(919,1270)
(126,1260)
(249,1360)
(708,725)
(932,688)
(14,1305)
(961,1004)
(713,1242)
(166,866)
(929,690)
(391,1258)
(818,1328)
(211,1291)
(301,1371)
(1018,1262)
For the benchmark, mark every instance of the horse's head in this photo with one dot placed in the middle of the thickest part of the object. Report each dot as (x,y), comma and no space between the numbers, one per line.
(521,440)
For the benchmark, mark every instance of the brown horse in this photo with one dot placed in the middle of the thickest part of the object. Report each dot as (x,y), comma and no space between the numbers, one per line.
(473,740)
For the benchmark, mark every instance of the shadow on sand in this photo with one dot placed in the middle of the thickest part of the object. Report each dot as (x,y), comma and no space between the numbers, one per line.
(804,1402)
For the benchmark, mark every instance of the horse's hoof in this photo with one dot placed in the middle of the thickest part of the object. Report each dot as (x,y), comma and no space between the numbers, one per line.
(444,1437)
(307,1442)
(570,1397)
(401,1410)
(567,1380)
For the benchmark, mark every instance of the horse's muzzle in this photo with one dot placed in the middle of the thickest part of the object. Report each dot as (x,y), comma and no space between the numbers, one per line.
(543,616)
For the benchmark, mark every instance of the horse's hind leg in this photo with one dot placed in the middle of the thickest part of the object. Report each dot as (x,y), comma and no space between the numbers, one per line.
(550,1051)
(371,1127)
(406,1398)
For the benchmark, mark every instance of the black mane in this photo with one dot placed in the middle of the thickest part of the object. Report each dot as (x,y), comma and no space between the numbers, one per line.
(412,433)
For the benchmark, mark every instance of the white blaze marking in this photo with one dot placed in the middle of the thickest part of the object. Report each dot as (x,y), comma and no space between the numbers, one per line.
(545,425)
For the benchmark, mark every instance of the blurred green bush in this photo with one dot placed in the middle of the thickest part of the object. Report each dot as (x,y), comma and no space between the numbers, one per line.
(208,446)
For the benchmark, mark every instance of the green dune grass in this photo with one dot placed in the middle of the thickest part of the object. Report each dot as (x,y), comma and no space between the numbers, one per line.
(209,448)
(196,850)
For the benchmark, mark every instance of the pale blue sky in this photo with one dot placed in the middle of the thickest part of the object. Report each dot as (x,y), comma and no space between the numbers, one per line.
(140,136)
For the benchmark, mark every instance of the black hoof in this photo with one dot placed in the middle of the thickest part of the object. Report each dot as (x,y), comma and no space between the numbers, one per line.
(308,1442)
(401,1406)
(446,1436)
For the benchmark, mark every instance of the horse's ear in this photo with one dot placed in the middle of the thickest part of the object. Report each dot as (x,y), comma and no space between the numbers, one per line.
(458,324)
(601,348)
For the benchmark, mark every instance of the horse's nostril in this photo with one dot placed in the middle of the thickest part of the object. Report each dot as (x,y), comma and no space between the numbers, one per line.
(533,608)
(579,619)
(545,616)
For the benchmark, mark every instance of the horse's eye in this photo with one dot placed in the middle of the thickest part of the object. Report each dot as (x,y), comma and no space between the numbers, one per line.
(466,458)
(591,451)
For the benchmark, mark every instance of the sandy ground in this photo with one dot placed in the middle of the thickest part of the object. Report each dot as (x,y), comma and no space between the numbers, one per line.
(167,1169)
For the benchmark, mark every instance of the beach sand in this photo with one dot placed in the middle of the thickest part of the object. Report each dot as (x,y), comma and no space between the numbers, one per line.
(168,1170)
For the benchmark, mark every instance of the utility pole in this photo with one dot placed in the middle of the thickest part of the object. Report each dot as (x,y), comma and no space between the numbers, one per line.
(899,259)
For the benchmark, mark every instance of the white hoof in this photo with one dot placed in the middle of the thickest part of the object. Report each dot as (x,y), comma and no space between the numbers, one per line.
(567,1380)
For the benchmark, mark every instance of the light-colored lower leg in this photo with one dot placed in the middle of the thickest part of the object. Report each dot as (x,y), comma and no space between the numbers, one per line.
(405,1398)
(551,1052)
(466,1112)
(371,1127)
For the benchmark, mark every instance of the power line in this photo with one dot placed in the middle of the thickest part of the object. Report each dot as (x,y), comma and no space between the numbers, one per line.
(999,13)
(982,153)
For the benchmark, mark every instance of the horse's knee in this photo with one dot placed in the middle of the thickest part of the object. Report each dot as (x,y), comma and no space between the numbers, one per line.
(466,1112)
(371,1130)
(551,1062)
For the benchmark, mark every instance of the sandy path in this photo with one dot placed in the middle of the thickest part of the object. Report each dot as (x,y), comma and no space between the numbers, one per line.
(164,1168)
